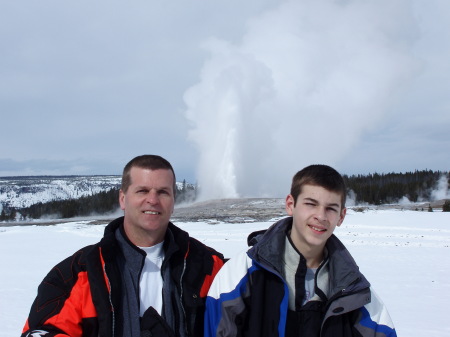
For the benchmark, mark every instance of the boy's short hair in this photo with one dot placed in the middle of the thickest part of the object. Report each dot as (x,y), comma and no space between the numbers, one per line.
(319,175)
(147,161)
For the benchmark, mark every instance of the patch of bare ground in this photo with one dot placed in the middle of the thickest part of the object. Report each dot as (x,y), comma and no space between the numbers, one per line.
(230,210)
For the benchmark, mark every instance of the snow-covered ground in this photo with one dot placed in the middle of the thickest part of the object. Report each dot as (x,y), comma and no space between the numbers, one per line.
(404,254)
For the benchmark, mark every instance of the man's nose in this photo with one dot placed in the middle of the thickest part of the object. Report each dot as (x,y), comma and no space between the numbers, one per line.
(152,197)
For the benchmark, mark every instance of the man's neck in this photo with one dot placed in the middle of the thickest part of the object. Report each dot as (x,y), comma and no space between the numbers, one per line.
(142,238)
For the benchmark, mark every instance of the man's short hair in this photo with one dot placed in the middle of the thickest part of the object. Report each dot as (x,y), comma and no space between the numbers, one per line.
(147,161)
(319,175)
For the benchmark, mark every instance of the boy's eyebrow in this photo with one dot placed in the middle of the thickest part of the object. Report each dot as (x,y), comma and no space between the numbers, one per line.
(316,202)
(310,199)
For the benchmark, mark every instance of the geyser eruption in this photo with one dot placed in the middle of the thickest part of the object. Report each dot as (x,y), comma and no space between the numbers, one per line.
(301,86)
(441,191)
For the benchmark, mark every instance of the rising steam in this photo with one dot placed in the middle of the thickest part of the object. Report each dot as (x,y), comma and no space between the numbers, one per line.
(301,86)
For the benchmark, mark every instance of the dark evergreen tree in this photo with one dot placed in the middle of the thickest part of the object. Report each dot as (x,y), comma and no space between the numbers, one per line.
(99,203)
(389,188)
(446,206)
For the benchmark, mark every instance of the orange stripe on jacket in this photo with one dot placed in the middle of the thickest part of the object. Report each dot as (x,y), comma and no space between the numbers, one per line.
(108,286)
(79,305)
(218,263)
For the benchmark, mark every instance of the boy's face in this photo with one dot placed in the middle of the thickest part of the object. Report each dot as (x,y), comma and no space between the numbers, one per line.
(316,214)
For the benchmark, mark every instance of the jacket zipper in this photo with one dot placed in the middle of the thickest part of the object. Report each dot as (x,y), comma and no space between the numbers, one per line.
(181,297)
(110,302)
(181,290)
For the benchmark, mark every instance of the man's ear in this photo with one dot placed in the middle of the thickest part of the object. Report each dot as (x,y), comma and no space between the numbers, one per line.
(122,199)
(290,204)
(342,216)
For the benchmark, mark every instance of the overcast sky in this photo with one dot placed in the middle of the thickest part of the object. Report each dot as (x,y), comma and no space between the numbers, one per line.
(238,95)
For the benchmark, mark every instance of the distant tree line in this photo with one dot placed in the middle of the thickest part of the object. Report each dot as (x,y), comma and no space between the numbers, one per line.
(374,189)
(377,189)
(99,203)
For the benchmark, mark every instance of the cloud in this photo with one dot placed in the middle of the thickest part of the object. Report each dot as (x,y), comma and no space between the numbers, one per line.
(32,167)
(239,95)
(103,82)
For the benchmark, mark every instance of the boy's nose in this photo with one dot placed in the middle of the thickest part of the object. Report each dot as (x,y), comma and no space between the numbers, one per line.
(321,214)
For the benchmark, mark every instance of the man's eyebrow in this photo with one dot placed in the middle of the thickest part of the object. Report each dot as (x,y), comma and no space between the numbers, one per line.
(165,188)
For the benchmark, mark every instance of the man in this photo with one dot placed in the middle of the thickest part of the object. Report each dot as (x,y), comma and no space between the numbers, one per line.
(146,277)
(298,279)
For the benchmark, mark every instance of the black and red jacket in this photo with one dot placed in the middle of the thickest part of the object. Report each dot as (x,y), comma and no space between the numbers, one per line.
(82,295)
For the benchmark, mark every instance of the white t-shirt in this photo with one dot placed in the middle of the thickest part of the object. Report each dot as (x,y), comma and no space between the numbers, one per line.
(151,282)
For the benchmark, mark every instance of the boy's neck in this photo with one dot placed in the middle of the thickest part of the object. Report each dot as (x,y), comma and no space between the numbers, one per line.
(314,261)
(313,255)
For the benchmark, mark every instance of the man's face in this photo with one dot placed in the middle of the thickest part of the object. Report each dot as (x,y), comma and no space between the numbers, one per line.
(316,214)
(148,205)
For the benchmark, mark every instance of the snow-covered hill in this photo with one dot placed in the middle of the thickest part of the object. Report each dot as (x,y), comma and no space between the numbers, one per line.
(19,192)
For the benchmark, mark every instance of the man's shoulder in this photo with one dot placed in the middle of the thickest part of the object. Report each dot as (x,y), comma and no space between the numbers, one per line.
(67,270)
(80,256)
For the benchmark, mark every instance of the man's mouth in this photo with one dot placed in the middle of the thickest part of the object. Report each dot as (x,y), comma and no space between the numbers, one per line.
(152,212)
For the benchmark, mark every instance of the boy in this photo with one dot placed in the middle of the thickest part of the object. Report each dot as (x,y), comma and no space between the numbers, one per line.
(298,279)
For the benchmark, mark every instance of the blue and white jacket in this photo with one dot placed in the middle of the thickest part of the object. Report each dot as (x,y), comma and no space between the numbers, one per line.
(249,296)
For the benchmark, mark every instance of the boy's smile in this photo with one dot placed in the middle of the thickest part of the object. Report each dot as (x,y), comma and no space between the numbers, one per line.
(316,213)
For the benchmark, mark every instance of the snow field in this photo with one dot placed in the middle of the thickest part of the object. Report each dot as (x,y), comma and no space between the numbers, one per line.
(404,254)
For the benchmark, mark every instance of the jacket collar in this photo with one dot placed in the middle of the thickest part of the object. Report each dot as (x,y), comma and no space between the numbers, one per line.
(346,277)
(268,244)
(175,239)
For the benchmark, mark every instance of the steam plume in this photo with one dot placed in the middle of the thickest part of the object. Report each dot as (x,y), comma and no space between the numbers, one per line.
(301,86)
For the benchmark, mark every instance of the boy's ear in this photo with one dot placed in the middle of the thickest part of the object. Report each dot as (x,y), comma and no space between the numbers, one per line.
(290,205)
(342,216)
